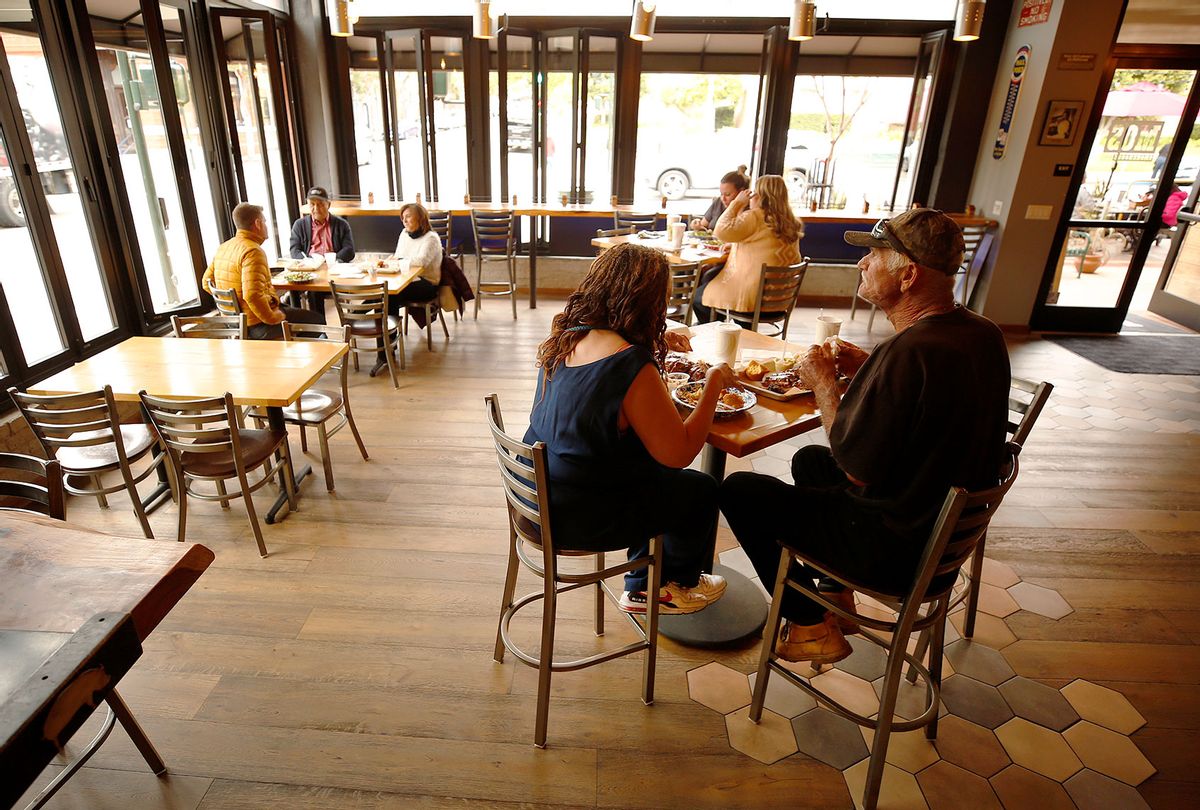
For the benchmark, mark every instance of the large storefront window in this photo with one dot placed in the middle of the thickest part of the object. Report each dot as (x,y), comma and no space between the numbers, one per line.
(370,142)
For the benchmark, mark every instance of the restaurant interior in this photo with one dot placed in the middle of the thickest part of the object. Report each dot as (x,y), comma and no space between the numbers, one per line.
(316,570)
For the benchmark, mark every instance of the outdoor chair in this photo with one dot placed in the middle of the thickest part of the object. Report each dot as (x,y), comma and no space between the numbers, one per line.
(778,288)
(495,241)
(205,441)
(84,433)
(523,473)
(317,407)
(960,526)
(363,308)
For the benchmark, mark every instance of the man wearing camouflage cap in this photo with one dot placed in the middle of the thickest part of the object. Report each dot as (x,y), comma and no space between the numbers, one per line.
(926,410)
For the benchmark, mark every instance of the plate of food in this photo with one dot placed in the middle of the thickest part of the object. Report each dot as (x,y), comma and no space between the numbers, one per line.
(695,369)
(733,401)
(299,276)
(700,233)
(774,378)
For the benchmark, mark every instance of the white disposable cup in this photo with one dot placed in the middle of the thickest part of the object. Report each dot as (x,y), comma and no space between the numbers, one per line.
(827,327)
(671,220)
(728,335)
(330,259)
(676,379)
(675,230)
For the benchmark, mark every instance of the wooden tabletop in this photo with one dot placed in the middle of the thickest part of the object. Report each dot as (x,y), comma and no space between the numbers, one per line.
(57,576)
(688,253)
(271,373)
(395,281)
(770,421)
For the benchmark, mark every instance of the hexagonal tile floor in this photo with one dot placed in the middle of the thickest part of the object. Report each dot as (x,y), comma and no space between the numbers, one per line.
(1004,741)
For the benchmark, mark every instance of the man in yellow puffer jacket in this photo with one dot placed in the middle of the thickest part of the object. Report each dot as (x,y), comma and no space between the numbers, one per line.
(241,265)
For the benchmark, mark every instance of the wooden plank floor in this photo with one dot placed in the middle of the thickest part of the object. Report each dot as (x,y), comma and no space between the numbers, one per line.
(352,668)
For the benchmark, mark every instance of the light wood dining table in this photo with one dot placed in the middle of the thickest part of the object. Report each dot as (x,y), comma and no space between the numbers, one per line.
(742,611)
(267,373)
(690,252)
(75,607)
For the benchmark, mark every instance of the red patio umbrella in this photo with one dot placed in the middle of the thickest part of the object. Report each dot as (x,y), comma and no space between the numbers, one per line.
(1144,99)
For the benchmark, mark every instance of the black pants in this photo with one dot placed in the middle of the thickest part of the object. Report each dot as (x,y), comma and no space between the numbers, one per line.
(418,289)
(818,517)
(681,505)
(274,331)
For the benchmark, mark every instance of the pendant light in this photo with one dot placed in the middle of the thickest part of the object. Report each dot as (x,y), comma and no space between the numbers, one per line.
(338,12)
(969,20)
(641,25)
(803,24)
(484,26)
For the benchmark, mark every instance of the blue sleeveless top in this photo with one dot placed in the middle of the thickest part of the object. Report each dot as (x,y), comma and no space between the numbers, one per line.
(596,470)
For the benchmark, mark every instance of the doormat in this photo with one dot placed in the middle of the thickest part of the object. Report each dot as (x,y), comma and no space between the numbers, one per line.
(1137,354)
(1141,325)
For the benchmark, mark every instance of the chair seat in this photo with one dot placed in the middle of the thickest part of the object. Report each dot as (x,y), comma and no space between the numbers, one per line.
(316,405)
(137,438)
(369,328)
(257,446)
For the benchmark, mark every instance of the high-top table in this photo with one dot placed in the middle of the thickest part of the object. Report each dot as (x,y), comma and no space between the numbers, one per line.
(271,374)
(75,608)
(742,611)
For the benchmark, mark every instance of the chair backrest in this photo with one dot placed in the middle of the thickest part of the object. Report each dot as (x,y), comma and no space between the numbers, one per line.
(320,332)
(226,301)
(39,489)
(961,524)
(778,288)
(684,280)
(440,223)
(362,303)
(601,233)
(208,425)
(1025,402)
(494,232)
(636,221)
(72,420)
(978,241)
(523,474)
(214,327)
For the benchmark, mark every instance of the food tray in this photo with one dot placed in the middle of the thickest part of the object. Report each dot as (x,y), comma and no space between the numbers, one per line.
(763,391)
(748,397)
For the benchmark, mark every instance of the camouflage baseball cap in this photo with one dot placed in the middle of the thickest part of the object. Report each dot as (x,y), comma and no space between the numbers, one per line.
(925,235)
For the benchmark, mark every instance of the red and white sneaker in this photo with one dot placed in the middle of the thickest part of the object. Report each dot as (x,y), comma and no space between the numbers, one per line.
(673,598)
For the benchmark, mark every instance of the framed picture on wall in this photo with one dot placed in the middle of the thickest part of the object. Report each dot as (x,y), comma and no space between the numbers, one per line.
(1063,118)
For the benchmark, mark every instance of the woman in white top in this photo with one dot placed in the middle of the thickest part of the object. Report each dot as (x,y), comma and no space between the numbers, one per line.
(423,248)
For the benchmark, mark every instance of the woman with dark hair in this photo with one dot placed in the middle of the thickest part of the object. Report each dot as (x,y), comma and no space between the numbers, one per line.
(615,442)
(732,184)
(423,248)
(763,230)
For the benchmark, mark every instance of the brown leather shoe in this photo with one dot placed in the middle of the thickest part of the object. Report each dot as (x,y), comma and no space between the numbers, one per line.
(818,643)
(845,600)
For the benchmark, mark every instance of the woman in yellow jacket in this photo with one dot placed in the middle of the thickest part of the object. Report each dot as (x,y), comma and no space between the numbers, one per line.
(763,230)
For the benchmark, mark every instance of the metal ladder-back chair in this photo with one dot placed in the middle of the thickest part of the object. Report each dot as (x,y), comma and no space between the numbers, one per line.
(213,327)
(524,477)
(84,432)
(495,241)
(601,233)
(319,406)
(639,222)
(363,308)
(441,223)
(44,496)
(684,280)
(959,527)
(226,301)
(778,288)
(1025,402)
(205,441)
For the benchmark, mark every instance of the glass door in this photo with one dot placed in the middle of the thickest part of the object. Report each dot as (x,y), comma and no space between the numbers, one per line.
(907,168)
(1177,294)
(517,94)
(1137,160)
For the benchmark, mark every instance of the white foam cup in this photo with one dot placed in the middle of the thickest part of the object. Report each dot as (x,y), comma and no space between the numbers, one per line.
(827,327)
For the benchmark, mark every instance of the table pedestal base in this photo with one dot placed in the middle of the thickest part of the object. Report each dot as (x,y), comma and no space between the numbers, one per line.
(740,613)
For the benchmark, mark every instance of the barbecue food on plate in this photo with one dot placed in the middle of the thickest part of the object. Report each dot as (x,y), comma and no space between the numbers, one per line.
(676,362)
(780,382)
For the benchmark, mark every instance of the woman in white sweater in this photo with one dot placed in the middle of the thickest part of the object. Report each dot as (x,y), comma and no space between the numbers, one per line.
(423,248)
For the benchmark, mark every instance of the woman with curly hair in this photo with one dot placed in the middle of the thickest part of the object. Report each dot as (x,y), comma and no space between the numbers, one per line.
(615,441)
(763,230)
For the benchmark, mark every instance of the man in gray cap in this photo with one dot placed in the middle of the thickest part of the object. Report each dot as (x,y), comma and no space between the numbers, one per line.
(926,410)
(321,232)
